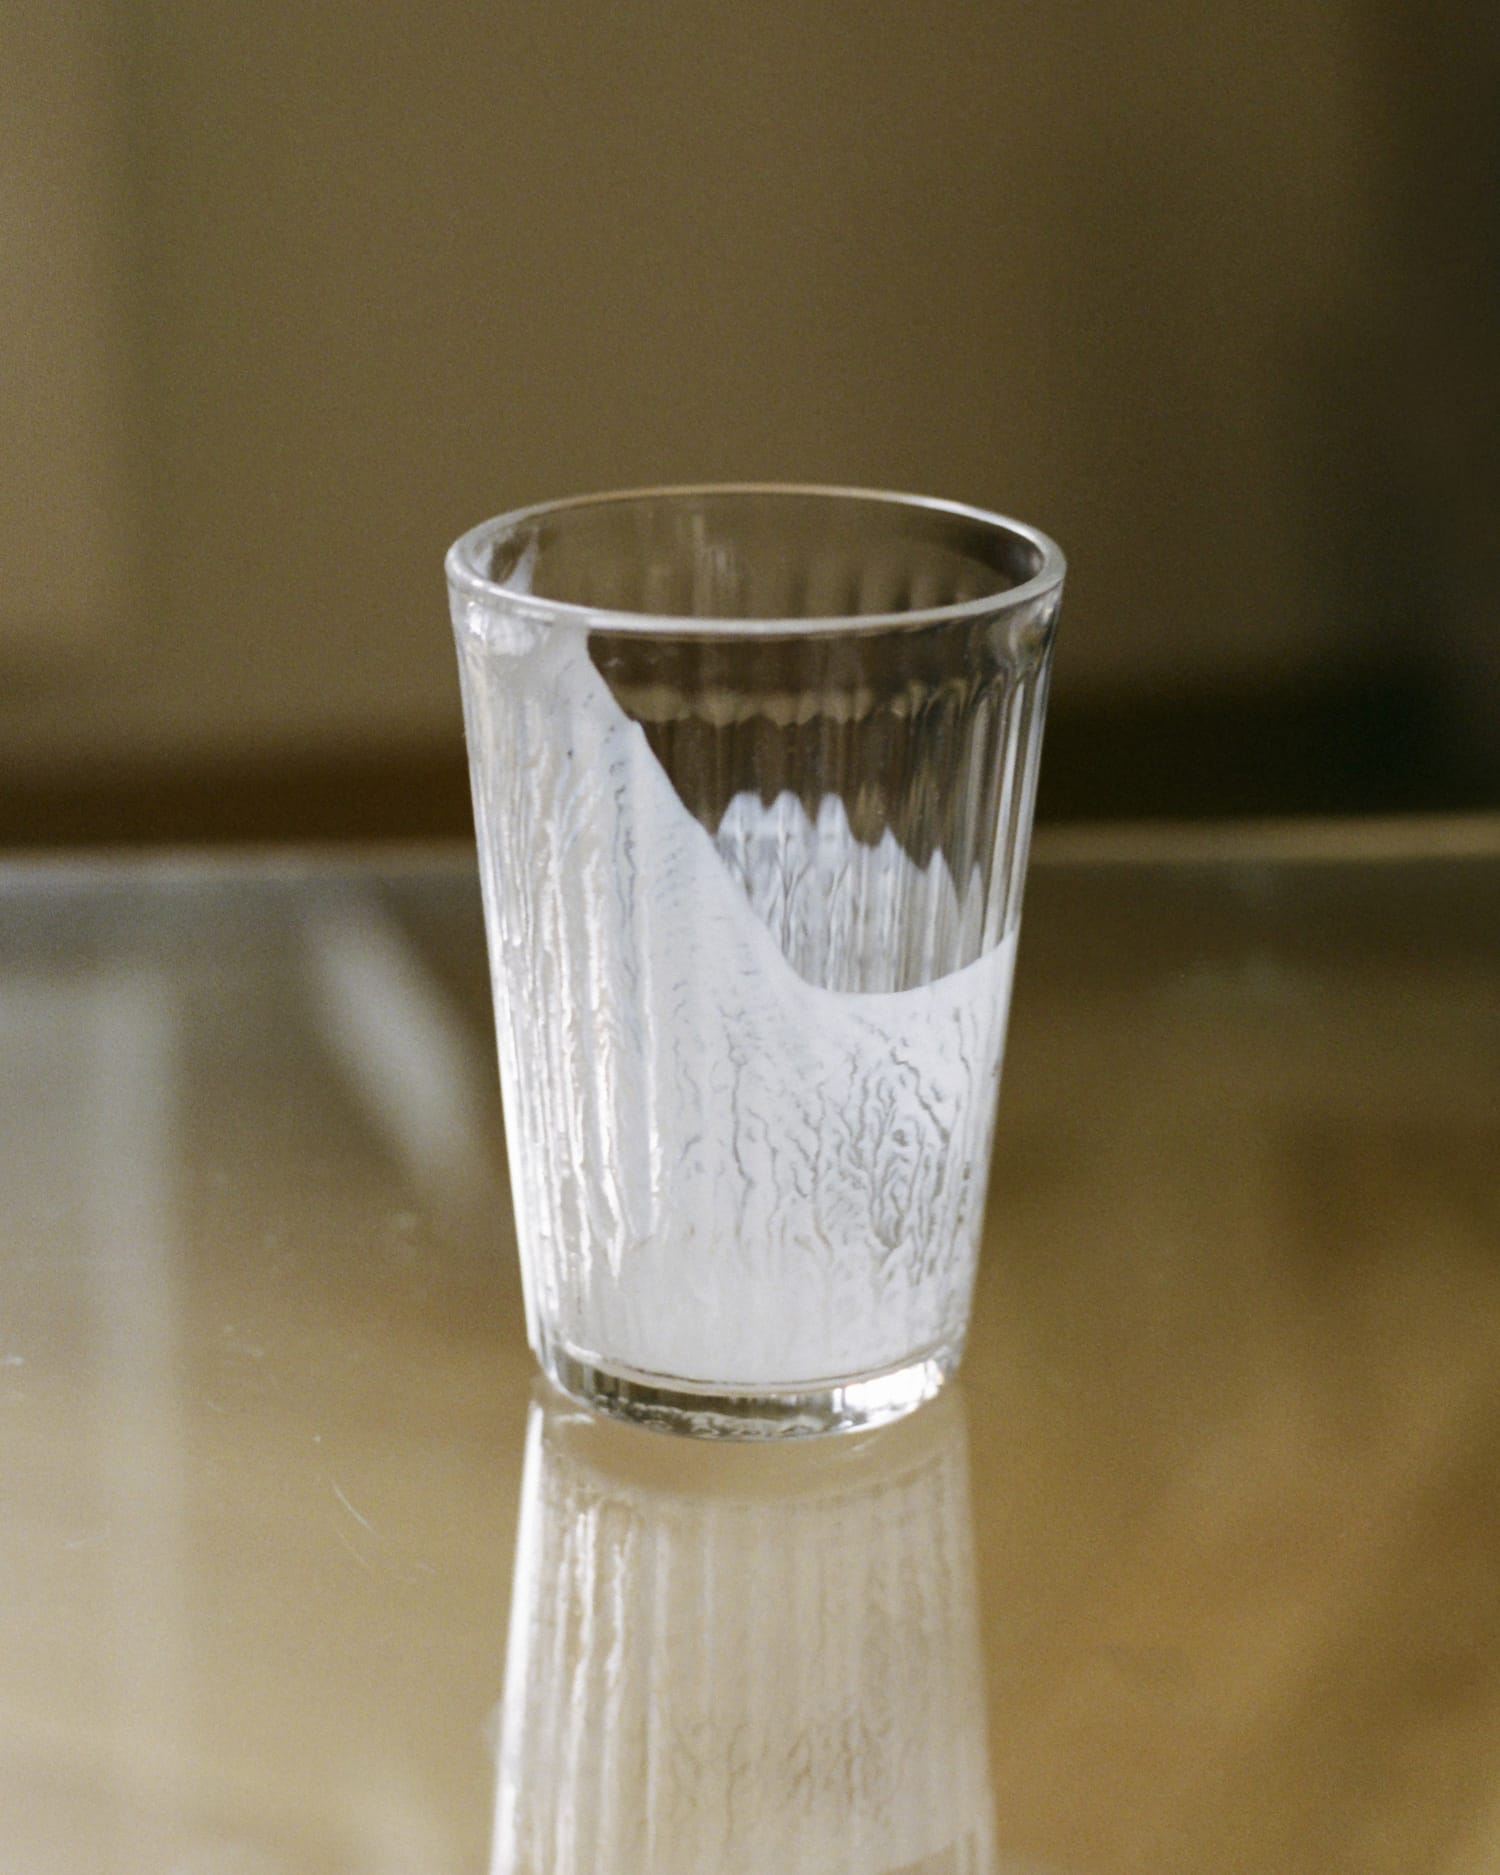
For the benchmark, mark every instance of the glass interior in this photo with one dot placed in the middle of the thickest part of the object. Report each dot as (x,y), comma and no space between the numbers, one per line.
(829,679)
(758,553)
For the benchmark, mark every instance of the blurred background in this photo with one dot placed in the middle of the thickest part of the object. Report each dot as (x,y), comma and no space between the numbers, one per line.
(290,295)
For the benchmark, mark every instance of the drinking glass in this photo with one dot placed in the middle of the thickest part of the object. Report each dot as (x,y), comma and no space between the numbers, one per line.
(753,772)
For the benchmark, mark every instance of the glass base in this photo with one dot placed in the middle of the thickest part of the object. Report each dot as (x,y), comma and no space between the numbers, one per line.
(705,1411)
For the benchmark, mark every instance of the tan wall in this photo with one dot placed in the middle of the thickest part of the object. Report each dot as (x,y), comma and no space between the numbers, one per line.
(346,277)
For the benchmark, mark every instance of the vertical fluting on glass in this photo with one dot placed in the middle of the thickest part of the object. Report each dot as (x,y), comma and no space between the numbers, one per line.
(752,892)
(770,1672)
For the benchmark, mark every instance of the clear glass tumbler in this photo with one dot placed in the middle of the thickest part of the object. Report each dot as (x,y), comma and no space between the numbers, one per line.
(753,774)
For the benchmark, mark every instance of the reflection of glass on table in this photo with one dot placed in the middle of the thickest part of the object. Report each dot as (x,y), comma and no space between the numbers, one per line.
(754,1659)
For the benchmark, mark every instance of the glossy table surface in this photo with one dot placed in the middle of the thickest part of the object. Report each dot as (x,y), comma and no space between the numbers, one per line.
(1196,1569)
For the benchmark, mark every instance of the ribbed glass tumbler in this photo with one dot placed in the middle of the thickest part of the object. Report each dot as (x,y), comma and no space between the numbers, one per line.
(753,775)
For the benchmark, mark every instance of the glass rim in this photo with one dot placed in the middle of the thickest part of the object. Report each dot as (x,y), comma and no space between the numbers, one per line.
(462,567)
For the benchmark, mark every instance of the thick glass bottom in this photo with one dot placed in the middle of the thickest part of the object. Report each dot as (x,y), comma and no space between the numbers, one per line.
(848,1403)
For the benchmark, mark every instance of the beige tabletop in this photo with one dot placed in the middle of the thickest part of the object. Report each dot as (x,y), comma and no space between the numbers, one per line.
(1196,1569)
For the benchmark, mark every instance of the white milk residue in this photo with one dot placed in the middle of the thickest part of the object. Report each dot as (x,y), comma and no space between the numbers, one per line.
(846,915)
(723,1171)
